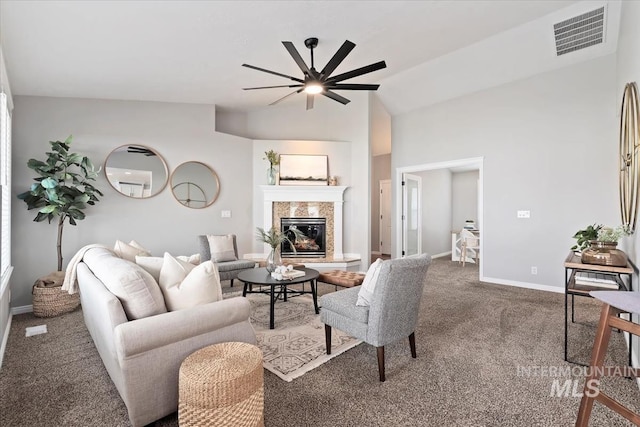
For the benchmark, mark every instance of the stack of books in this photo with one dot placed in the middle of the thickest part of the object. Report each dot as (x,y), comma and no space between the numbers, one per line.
(598,280)
(288,275)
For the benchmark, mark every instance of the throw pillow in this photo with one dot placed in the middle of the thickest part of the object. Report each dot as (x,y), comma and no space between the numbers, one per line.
(130,250)
(135,288)
(185,285)
(221,248)
(153,264)
(369,284)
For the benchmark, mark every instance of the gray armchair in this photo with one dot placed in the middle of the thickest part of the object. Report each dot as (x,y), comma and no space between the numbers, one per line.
(393,313)
(228,270)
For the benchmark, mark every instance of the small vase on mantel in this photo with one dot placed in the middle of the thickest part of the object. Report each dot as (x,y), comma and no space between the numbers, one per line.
(272,173)
(274,259)
(604,253)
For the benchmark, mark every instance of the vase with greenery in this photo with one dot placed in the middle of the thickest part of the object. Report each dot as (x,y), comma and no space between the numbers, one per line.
(274,160)
(275,239)
(63,188)
(602,249)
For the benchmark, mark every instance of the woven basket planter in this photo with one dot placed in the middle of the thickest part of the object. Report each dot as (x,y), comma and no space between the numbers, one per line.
(49,300)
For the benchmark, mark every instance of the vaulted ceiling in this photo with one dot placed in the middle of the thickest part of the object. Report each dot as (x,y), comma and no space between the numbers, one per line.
(192,51)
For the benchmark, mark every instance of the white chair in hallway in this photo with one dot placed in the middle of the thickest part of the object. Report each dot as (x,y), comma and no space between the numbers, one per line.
(468,242)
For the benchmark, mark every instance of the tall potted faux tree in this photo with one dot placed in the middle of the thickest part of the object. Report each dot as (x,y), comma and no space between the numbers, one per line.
(62,190)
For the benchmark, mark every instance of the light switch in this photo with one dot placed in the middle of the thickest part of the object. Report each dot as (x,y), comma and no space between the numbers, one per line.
(225,214)
(524,214)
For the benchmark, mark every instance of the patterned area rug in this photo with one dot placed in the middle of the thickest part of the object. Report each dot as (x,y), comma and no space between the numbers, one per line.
(297,343)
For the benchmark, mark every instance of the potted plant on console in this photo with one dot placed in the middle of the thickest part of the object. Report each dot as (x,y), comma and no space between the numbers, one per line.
(62,190)
(599,245)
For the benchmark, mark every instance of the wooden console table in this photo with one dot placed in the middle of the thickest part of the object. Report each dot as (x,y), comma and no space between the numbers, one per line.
(573,265)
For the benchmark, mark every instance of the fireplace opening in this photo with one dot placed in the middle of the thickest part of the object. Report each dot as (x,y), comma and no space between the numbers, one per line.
(314,242)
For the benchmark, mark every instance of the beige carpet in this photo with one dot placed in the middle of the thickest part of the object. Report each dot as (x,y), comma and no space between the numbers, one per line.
(471,338)
(297,343)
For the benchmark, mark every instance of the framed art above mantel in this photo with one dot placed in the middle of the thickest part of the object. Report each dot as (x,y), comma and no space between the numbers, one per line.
(303,169)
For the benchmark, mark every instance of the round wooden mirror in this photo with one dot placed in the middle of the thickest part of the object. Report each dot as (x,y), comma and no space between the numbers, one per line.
(136,171)
(195,185)
(629,167)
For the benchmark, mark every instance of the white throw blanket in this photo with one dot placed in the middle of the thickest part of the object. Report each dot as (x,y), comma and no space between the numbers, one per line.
(70,283)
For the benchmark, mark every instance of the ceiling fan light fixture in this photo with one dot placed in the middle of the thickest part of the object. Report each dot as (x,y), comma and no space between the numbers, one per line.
(313,88)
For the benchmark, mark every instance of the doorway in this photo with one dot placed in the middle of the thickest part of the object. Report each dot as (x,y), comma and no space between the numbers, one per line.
(401,200)
(385,217)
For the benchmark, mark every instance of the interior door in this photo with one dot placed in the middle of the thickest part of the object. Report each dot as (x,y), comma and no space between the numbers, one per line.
(411,215)
(385,216)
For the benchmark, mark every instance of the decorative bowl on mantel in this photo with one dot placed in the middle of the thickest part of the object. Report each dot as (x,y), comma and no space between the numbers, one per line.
(604,253)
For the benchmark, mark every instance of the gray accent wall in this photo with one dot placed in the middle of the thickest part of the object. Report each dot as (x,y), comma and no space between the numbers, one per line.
(179,132)
(549,145)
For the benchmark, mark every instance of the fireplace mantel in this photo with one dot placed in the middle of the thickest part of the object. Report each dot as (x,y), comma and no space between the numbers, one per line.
(303,193)
(307,193)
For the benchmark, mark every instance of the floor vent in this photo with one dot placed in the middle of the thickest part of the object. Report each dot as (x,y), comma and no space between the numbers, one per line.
(579,32)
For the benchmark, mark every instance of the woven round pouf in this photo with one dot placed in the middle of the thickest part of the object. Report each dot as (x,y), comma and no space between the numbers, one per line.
(222,385)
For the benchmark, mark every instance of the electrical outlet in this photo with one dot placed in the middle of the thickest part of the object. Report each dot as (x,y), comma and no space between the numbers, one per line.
(534,270)
(225,214)
(524,214)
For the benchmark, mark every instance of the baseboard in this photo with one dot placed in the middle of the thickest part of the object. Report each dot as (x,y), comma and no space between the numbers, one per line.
(526,285)
(441,255)
(376,253)
(22,309)
(5,339)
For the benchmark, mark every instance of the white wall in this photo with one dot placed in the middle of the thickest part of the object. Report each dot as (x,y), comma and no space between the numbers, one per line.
(549,145)
(328,121)
(339,156)
(464,196)
(380,127)
(179,132)
(436,210)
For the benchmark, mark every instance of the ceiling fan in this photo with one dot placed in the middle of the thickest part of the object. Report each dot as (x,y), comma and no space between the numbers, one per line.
(321,82)
(136,149)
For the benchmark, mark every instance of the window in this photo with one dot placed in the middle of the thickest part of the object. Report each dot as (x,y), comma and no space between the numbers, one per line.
(5,189)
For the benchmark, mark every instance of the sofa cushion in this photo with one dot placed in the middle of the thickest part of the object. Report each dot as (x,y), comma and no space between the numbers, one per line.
(153,264)
(130,250)
(241,264)
(221,248)
(369,284)
(185,285)
(136,289)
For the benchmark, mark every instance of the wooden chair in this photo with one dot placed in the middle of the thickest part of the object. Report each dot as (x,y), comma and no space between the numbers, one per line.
(615,302)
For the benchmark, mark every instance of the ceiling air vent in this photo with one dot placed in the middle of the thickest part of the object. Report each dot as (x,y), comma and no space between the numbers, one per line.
(579,32)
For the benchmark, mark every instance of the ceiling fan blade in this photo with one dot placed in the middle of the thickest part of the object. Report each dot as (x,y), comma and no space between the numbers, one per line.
(286,96)
(336,97)
(357,72)
(273,72)
(352,87)
(337,58)
(269,87)
(309,101)
(296,57)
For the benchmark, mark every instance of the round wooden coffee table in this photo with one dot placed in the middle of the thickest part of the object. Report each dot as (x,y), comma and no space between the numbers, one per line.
(261,277)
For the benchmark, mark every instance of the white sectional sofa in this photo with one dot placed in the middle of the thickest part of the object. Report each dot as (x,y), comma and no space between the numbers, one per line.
(143,356)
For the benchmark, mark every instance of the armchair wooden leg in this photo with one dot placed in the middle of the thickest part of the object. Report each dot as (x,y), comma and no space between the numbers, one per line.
(381,362)
(327,338)
(232,283)
(412,344)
